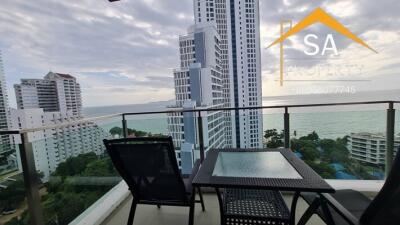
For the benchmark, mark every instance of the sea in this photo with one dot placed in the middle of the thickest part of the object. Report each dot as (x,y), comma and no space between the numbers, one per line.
(329,122)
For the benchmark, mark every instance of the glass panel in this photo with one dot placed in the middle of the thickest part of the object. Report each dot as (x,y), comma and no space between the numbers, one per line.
(328,139)
(74,170)
(83,174)
(273,135)
(397,129)
(254,164)
(12,187)
(341,142)
(182,127)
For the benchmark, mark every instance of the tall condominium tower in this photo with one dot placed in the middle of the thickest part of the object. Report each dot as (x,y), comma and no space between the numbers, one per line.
(55,93)
(5,147)
(237,22)
(198,85)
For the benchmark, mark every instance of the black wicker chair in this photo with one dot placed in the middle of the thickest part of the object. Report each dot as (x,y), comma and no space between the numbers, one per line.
(352,207)
(149,167)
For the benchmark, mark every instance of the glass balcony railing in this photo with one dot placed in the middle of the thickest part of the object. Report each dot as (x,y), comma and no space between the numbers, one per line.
(58,174)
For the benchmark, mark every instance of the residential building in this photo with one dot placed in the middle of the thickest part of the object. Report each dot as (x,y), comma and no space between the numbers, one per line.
(238,24)
(54,145)
(198,85)
(56,92)
(6,149)
(369,147)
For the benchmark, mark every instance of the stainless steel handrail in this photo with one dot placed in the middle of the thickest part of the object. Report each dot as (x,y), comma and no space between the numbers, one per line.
(60,125)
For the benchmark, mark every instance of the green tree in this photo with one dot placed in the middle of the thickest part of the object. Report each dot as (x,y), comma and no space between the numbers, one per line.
(75,165)
(116,131)
(12,196)
(274,139)
(323,169)
(131,132)
(313,136)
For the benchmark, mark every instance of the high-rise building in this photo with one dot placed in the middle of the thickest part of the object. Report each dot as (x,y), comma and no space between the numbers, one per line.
(54,145)
(237,23)
(220,67)
(6,149)
(55,99)
(198,85)
(56,92)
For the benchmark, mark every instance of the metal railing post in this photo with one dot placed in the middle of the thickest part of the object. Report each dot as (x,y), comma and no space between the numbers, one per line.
(286,127)
(390,121)
(31,181)
(201,141)
(124,127)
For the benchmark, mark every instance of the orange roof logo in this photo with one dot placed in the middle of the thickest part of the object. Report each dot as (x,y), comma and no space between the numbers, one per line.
(319,15)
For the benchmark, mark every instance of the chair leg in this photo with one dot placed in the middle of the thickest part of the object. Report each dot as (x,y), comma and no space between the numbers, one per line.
(132,212)
(310,211)
(293,208)
(327,212)
(192,205)
(203,208)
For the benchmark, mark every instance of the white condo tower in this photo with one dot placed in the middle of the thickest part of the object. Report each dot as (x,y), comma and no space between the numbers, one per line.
(238,24)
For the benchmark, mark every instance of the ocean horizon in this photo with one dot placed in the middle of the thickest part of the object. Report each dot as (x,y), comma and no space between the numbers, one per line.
(329,122)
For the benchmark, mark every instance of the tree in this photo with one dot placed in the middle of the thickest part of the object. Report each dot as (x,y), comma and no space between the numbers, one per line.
(313,136)
(131,132)
(323,169)
(75,165)
(309,153)
(116,131)
(12,196)
(65,199)
(274,139)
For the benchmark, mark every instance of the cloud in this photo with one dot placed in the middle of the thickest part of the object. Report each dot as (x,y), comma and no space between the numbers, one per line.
(381,32)
(131,46)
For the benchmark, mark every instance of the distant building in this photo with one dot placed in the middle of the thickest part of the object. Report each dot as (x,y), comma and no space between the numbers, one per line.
(54,145)
(54,100)
(56,92)
(6,149)
(369,147)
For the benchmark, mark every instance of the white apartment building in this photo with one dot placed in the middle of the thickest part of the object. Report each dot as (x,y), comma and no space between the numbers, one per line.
(53,146)
(56,92)
(198,85)
(6,149)
(238,24)
(369,147)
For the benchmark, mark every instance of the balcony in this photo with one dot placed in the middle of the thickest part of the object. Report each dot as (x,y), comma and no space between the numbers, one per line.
(114,207)
(55,199)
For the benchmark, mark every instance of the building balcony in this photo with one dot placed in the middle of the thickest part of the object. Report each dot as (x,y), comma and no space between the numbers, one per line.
(78,184)
(114,207)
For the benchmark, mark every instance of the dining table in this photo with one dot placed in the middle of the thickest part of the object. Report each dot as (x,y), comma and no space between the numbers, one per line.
(249,183)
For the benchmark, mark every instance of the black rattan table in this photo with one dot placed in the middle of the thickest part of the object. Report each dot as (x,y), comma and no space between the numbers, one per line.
(248,184)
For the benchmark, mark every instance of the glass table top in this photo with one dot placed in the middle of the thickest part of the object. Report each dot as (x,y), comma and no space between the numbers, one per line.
(254,164)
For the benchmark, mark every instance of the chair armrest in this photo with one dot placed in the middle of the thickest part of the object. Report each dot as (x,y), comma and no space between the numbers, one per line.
(342,211)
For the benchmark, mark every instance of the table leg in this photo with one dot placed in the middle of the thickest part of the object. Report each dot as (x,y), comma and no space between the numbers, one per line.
(221,205)
(293,208)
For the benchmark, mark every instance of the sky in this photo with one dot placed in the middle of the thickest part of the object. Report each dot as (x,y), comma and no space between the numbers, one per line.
(124,52)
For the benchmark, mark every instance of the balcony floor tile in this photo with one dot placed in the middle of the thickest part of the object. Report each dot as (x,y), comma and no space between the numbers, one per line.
(167,215)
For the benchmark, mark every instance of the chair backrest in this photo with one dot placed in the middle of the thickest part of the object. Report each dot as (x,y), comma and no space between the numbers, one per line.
(149,167)
(385,208)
